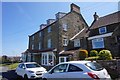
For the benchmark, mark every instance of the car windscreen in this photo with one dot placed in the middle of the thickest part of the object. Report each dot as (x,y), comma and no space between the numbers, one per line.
(94,66)
(32,65)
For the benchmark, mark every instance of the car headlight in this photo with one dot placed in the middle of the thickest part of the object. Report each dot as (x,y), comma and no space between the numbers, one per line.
(31,71)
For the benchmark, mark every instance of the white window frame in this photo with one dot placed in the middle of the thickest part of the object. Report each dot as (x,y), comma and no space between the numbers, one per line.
(46,59)
(65,27)
(77,43)
(65,42)
(98,40)
(100,32)
(49,29)
(65,59)
(49,43)
(32,46)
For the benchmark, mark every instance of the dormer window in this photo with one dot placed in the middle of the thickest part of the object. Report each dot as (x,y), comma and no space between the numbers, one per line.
(65,27)
(65,42)
(76,43)
(102,30)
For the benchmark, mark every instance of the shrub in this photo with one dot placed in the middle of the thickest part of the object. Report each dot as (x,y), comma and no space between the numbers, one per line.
(92,58)
(83,54)
(93,53)
(105,55)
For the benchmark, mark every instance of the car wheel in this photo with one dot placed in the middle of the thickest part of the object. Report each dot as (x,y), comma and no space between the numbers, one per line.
(44,79)
(25,77)
(19,77)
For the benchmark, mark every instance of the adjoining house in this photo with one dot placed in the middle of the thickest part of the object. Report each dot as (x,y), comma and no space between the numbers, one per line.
(105,33)
(76,43)
(54,37)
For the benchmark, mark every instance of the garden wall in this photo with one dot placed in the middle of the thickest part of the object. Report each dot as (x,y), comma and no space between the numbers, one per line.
(112,66)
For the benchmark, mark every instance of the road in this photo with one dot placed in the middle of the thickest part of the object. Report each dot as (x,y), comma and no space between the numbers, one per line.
(6,74)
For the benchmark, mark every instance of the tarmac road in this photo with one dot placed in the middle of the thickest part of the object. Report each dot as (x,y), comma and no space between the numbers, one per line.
(6,74)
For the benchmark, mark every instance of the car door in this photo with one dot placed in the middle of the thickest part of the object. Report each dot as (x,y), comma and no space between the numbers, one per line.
(75,72)
(58,72)
(22,70)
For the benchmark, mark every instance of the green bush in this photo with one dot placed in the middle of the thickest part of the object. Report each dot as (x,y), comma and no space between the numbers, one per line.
(93,53)
(105,55)
(92,58)
(83,54)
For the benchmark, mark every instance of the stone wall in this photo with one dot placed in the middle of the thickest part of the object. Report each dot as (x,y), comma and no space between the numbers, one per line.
(112,66)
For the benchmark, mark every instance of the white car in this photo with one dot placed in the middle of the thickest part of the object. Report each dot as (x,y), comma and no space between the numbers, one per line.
(80,70)
(30,70)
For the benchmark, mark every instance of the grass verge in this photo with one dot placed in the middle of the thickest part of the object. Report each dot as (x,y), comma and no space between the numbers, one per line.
(13,66)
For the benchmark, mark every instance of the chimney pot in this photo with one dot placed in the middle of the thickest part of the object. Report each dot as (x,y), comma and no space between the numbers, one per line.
(96,17)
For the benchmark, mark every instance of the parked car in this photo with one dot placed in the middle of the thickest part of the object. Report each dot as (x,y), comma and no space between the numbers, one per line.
(30,70)
(77,70)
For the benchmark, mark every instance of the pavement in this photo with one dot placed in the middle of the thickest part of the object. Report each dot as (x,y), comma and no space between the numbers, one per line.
(3,70)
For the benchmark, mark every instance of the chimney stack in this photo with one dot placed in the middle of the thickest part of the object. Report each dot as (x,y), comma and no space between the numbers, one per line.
(96,17)
(75,8)
(42,26)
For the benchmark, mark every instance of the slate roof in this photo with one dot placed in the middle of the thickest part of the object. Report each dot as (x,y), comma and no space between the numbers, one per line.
(106,20)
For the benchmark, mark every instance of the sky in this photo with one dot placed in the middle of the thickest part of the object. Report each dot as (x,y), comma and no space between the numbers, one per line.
(21,19)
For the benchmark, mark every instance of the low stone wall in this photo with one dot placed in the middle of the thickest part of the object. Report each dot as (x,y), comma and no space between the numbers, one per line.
(112,66)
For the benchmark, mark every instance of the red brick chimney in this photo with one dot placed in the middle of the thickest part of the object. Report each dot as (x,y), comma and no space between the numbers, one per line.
(75,8)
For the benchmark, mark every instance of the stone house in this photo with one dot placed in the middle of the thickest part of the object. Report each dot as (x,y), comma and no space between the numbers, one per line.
(105,33)
(53,38)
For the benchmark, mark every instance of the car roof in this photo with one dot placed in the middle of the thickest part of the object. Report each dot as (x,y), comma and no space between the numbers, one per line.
(27,62)
(78,62)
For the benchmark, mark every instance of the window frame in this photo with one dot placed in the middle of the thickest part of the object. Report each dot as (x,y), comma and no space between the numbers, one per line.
(65,42)
(33,37)
(80,70)
(65,59)
(39,45)
(49,43)
(65,27)
(52,71)
(76,41)
(49,29)
(102,29)
(46,60)
(96,40)
(32,46)
(40,34)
